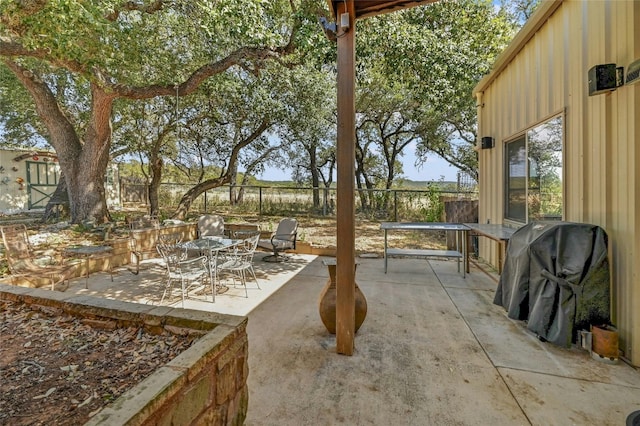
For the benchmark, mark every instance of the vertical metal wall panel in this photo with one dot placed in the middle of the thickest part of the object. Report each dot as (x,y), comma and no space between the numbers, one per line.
(631,195)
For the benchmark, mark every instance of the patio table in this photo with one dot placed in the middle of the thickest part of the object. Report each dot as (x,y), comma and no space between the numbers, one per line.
(461,241)
(501,234)
(87,253)
(211,247)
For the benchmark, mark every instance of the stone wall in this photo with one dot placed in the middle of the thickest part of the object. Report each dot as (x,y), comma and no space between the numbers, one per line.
(146,239)
(206,384)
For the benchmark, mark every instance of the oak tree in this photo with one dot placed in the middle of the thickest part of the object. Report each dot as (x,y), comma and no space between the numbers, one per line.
(110,50)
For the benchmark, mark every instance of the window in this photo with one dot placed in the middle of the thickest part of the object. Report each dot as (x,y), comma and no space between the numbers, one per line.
(533,168)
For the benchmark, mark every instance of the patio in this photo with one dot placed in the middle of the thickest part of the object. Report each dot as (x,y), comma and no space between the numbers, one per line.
(147,287)
(432,350)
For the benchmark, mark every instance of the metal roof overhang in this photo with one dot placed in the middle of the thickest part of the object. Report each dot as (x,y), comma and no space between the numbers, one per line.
(366,8)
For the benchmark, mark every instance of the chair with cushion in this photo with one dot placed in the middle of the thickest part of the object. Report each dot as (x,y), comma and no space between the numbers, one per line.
(24,265)
(284,238)
(210,225)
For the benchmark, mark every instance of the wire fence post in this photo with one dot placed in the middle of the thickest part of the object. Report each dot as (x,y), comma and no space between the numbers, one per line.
(324,201)
(395,206)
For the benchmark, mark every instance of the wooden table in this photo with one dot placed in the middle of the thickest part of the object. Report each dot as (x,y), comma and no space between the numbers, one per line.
(461,241)
(498,233)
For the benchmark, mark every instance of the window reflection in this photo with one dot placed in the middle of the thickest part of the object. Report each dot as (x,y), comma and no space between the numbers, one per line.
(544,149)
(516,179)
(534,174)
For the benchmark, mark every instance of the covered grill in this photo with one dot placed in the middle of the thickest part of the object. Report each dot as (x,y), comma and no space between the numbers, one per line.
(556,277)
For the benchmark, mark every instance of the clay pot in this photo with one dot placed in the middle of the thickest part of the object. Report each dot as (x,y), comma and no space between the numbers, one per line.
(327,302)
(605,342)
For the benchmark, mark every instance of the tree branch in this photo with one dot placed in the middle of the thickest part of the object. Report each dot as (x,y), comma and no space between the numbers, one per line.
(10,48)
(130,6)
(47,107)
(192,83)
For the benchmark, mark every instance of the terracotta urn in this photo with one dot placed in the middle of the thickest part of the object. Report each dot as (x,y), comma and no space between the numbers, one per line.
(327,302)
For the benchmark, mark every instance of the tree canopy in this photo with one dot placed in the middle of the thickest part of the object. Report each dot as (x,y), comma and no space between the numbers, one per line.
(106,50)
(212,86)
(430,58)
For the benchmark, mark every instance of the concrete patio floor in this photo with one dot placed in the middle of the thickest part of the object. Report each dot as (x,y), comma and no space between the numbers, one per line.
(433,350)
(148,286)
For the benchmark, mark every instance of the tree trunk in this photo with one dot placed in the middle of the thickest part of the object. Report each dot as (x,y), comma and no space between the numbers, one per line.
(360,167)
(189,197)
(245,181)
(59,199)
(87,199)
(315,178)
(86,180)
(361,193)
(154,185)
(83,165)
(233,174)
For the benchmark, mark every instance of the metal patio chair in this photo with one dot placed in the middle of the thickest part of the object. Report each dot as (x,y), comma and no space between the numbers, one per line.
(24,265)
(239,263)
(179,267)
(284,238)
(210,225)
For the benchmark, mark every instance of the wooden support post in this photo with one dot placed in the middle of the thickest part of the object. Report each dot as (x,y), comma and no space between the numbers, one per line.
(345,256)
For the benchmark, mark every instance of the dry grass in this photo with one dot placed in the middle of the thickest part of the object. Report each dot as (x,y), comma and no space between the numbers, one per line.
(368,236)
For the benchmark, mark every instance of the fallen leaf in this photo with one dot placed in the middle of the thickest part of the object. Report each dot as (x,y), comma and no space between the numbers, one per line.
(86,401)
(49,392)
(72,367)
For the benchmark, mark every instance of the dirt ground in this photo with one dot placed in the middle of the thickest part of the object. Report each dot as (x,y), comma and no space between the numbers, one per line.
(59,370)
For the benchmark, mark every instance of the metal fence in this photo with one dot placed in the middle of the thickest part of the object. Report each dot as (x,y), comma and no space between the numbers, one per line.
(392,204)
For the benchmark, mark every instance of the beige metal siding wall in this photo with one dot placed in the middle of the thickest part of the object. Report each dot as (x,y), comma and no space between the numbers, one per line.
(602,135)
(528,91)
(623,210)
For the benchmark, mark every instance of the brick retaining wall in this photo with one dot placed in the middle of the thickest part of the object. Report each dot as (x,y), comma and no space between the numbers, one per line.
(206,384)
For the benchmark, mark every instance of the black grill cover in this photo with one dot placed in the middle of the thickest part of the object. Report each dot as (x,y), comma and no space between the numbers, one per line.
(556,277)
